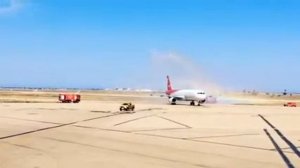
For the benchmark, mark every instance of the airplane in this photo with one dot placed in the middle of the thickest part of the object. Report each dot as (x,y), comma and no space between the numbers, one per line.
(184,95)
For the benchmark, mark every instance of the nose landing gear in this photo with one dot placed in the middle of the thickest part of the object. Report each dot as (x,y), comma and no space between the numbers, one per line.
(199,103)
(193,103)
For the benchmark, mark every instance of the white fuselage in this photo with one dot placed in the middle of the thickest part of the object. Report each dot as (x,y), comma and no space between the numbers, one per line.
(188,95)
(191,95)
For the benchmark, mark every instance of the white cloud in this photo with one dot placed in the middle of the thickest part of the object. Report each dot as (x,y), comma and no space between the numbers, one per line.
(10,6)
(184,71)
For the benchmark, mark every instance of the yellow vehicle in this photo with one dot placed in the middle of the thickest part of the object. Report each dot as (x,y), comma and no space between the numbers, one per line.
(127,107)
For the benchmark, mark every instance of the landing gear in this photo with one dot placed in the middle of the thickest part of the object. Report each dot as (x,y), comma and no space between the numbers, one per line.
(173,102)
(199,103)
(192,103)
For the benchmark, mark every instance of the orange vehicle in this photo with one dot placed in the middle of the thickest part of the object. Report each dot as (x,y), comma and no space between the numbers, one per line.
(290,104)
(69,98)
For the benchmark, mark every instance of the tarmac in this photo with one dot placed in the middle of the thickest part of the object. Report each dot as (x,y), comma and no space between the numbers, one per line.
(96,134)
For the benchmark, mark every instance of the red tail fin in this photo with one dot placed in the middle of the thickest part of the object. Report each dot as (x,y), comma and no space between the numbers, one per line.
(169,86)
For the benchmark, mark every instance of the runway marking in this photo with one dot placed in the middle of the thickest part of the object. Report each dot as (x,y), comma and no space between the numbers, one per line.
(70,109)
(216,143)
(187,139)
(287,141)
(95,118)
(23,146)
(33,131)
(103,129)
(128,131)
(223,136)
(159,129)
(57,126)
(283,156)
(270,124)
(239,146)
(288,148)
(95,111)
(48,109)
(142,134)
(135,119)
(162,136)
(150,109)
(128,152)
(174,121)
(177,138)
(22,119)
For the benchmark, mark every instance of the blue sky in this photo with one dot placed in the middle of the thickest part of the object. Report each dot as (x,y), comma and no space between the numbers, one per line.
(236,44)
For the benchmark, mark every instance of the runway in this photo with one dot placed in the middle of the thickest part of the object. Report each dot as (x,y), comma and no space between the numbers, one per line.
(95,134)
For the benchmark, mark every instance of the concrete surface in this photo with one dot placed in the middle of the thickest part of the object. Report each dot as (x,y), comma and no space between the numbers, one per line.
(95,134)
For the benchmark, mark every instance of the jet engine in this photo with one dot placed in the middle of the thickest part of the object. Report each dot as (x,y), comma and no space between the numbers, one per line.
(172,100)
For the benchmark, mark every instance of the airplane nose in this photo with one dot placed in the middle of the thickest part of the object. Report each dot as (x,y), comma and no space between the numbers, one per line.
(201,97)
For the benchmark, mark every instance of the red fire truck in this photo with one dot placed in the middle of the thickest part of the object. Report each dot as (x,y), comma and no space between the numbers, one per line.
(290,104)
(69,98)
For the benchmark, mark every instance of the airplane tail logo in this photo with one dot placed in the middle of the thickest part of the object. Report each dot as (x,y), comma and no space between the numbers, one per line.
(169,86)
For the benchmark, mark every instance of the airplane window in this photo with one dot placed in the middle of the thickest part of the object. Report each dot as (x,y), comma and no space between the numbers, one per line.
(201,93)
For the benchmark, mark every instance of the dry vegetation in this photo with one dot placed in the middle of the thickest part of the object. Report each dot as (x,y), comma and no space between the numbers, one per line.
(52,96)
